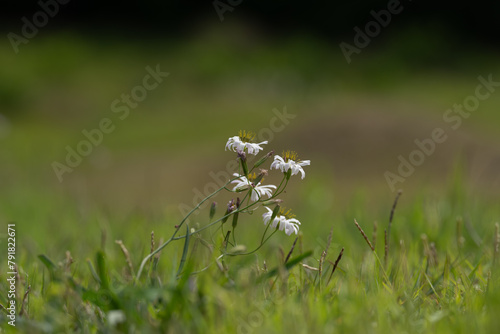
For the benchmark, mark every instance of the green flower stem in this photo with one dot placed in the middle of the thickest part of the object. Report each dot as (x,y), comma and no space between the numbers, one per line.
(145,260)
(215,222)
(265,231)
(281,183)
(278,191)
(173,237)
(228,254)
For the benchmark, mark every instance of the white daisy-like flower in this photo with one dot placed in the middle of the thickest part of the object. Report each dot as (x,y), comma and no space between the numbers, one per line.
(285,221)
(290,160)
(258,190)
(244,141)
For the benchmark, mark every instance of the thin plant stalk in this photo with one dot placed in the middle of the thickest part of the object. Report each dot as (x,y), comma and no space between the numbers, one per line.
(144,261)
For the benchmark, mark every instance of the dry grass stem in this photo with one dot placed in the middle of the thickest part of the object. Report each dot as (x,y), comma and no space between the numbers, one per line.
(335,265)
(364,235)
(127,257)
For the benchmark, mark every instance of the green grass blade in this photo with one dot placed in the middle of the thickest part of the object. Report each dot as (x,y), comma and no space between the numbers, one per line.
(93,272)
(288,265)
(49,264)
(101,270)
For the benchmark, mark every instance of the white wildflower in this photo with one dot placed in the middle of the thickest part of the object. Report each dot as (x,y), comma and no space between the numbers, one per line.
(257,191)
(290,160)
(244,141)
(285,221)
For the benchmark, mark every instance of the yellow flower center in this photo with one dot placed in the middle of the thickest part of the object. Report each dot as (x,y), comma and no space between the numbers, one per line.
(252,176)
(246,136)
(286,213)
(290,155)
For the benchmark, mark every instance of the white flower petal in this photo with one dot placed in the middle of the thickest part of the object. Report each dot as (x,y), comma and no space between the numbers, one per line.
(291,226)
(275,223)
(258,191)
(277,162)
(267,216)
(242,182)
(294,221)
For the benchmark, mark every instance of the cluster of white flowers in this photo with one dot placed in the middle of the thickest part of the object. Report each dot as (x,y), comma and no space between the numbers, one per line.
(256,194)
(288,163)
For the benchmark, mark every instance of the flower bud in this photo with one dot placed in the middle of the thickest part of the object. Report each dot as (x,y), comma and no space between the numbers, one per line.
(263,159)
(272,202)
(235,220)
(230,208)
(238,249)
(212,210)
(236,214)
(275,213)
(263,172)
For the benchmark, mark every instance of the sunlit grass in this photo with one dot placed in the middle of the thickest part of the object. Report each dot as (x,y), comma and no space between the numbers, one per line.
(439,274)
(444,281)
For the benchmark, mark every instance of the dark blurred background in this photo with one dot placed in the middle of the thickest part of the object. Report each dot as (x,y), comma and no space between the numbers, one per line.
(353,120)
(474,23)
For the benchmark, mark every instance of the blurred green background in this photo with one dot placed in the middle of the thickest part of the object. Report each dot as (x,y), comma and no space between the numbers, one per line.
(351,120)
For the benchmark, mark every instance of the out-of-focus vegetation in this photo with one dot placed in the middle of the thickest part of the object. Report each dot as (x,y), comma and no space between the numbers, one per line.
(352,121)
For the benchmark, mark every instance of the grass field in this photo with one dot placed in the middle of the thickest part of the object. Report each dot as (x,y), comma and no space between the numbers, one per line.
(441,271)
(439,275)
